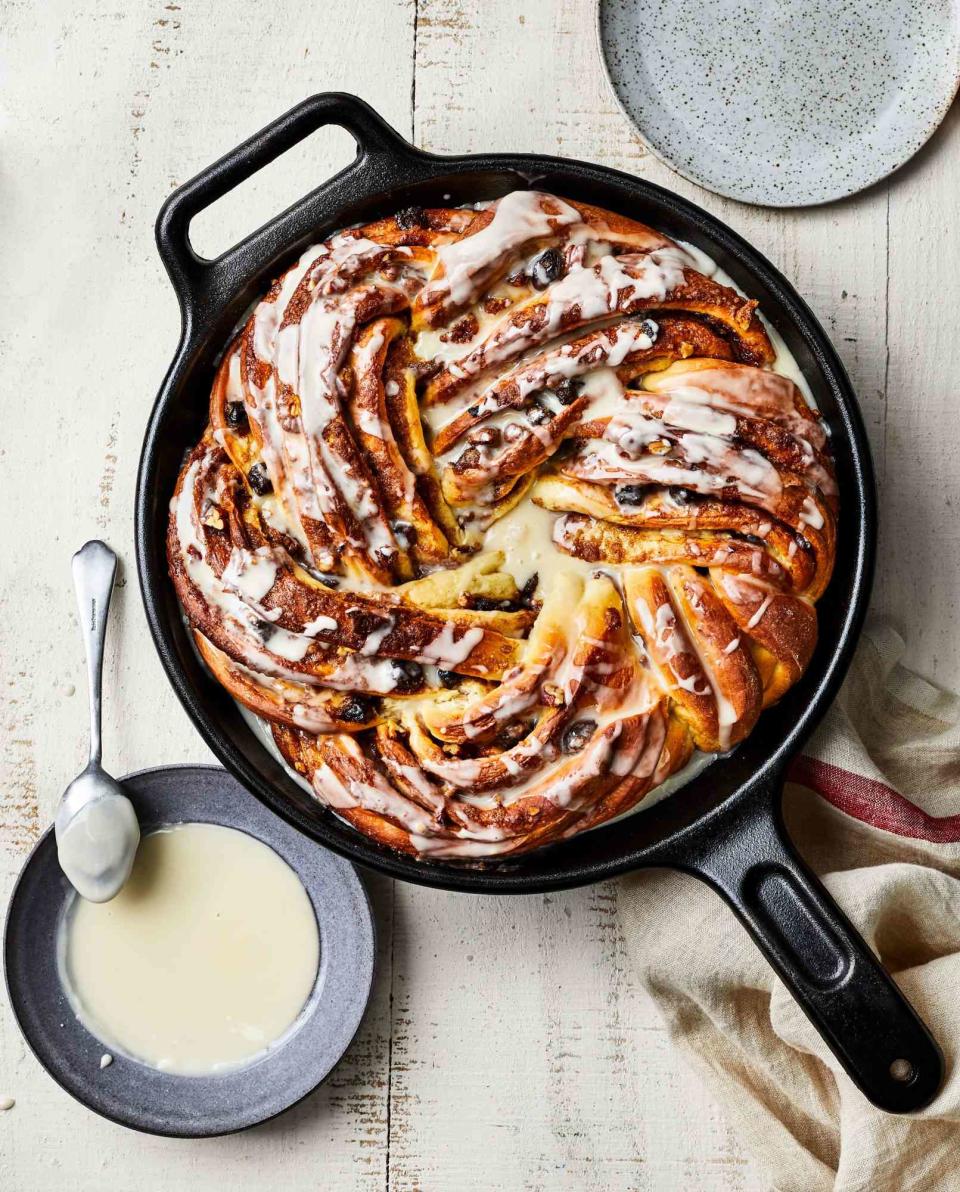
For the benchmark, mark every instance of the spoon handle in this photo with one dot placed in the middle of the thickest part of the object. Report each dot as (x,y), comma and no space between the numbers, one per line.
(94,570)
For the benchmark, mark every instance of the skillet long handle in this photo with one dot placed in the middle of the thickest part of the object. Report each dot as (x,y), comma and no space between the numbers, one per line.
(838,982)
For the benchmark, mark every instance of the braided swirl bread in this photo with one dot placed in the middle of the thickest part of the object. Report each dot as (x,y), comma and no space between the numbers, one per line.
(500,514)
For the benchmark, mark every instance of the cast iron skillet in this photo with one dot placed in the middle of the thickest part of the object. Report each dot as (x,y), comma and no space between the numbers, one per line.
(725,827)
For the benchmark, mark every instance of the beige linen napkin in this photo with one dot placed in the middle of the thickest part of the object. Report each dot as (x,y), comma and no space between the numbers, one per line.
(873,807)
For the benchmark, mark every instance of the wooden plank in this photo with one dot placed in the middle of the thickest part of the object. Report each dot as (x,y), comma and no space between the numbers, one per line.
(106,109)
(541,89)
(919,565)
(526,1057)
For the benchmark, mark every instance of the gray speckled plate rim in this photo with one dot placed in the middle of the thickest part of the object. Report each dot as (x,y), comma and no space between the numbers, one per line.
(937,119)
(358,930)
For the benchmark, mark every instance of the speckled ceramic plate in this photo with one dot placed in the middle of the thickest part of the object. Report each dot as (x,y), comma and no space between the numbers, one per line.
(785,103)
(141,1097)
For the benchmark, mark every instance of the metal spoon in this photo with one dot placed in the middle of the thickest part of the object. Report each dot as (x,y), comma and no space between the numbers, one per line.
(96,826)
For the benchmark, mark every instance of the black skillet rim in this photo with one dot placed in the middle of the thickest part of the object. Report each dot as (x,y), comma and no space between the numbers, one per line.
(667,824)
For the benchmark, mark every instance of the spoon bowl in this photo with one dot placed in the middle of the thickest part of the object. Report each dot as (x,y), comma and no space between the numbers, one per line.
(97,835)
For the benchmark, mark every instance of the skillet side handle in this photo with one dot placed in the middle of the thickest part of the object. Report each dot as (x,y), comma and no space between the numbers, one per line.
(865,1020)
(202,284)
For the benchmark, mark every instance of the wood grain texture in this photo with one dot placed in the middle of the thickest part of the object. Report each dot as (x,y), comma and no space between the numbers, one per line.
(920,495)
(507,1045)
(107,108)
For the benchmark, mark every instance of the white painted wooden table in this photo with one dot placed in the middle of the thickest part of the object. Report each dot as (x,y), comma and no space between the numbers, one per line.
(507,1045)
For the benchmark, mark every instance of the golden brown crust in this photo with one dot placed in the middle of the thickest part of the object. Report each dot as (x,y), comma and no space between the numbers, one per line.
(406,385)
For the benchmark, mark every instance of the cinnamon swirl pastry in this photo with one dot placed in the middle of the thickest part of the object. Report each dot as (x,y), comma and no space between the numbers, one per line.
(500,514)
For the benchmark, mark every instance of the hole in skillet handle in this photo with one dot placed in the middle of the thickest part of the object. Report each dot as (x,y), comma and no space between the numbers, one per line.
(903,1071)
(745,854)
(205,287)
(275,187)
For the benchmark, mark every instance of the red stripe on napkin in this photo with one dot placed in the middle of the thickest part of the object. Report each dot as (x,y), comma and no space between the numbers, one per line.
(873,802)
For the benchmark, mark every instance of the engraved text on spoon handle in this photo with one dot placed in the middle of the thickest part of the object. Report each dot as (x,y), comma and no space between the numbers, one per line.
(94,570)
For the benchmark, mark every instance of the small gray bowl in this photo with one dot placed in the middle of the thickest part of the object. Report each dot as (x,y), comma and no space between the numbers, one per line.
(143,1098)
